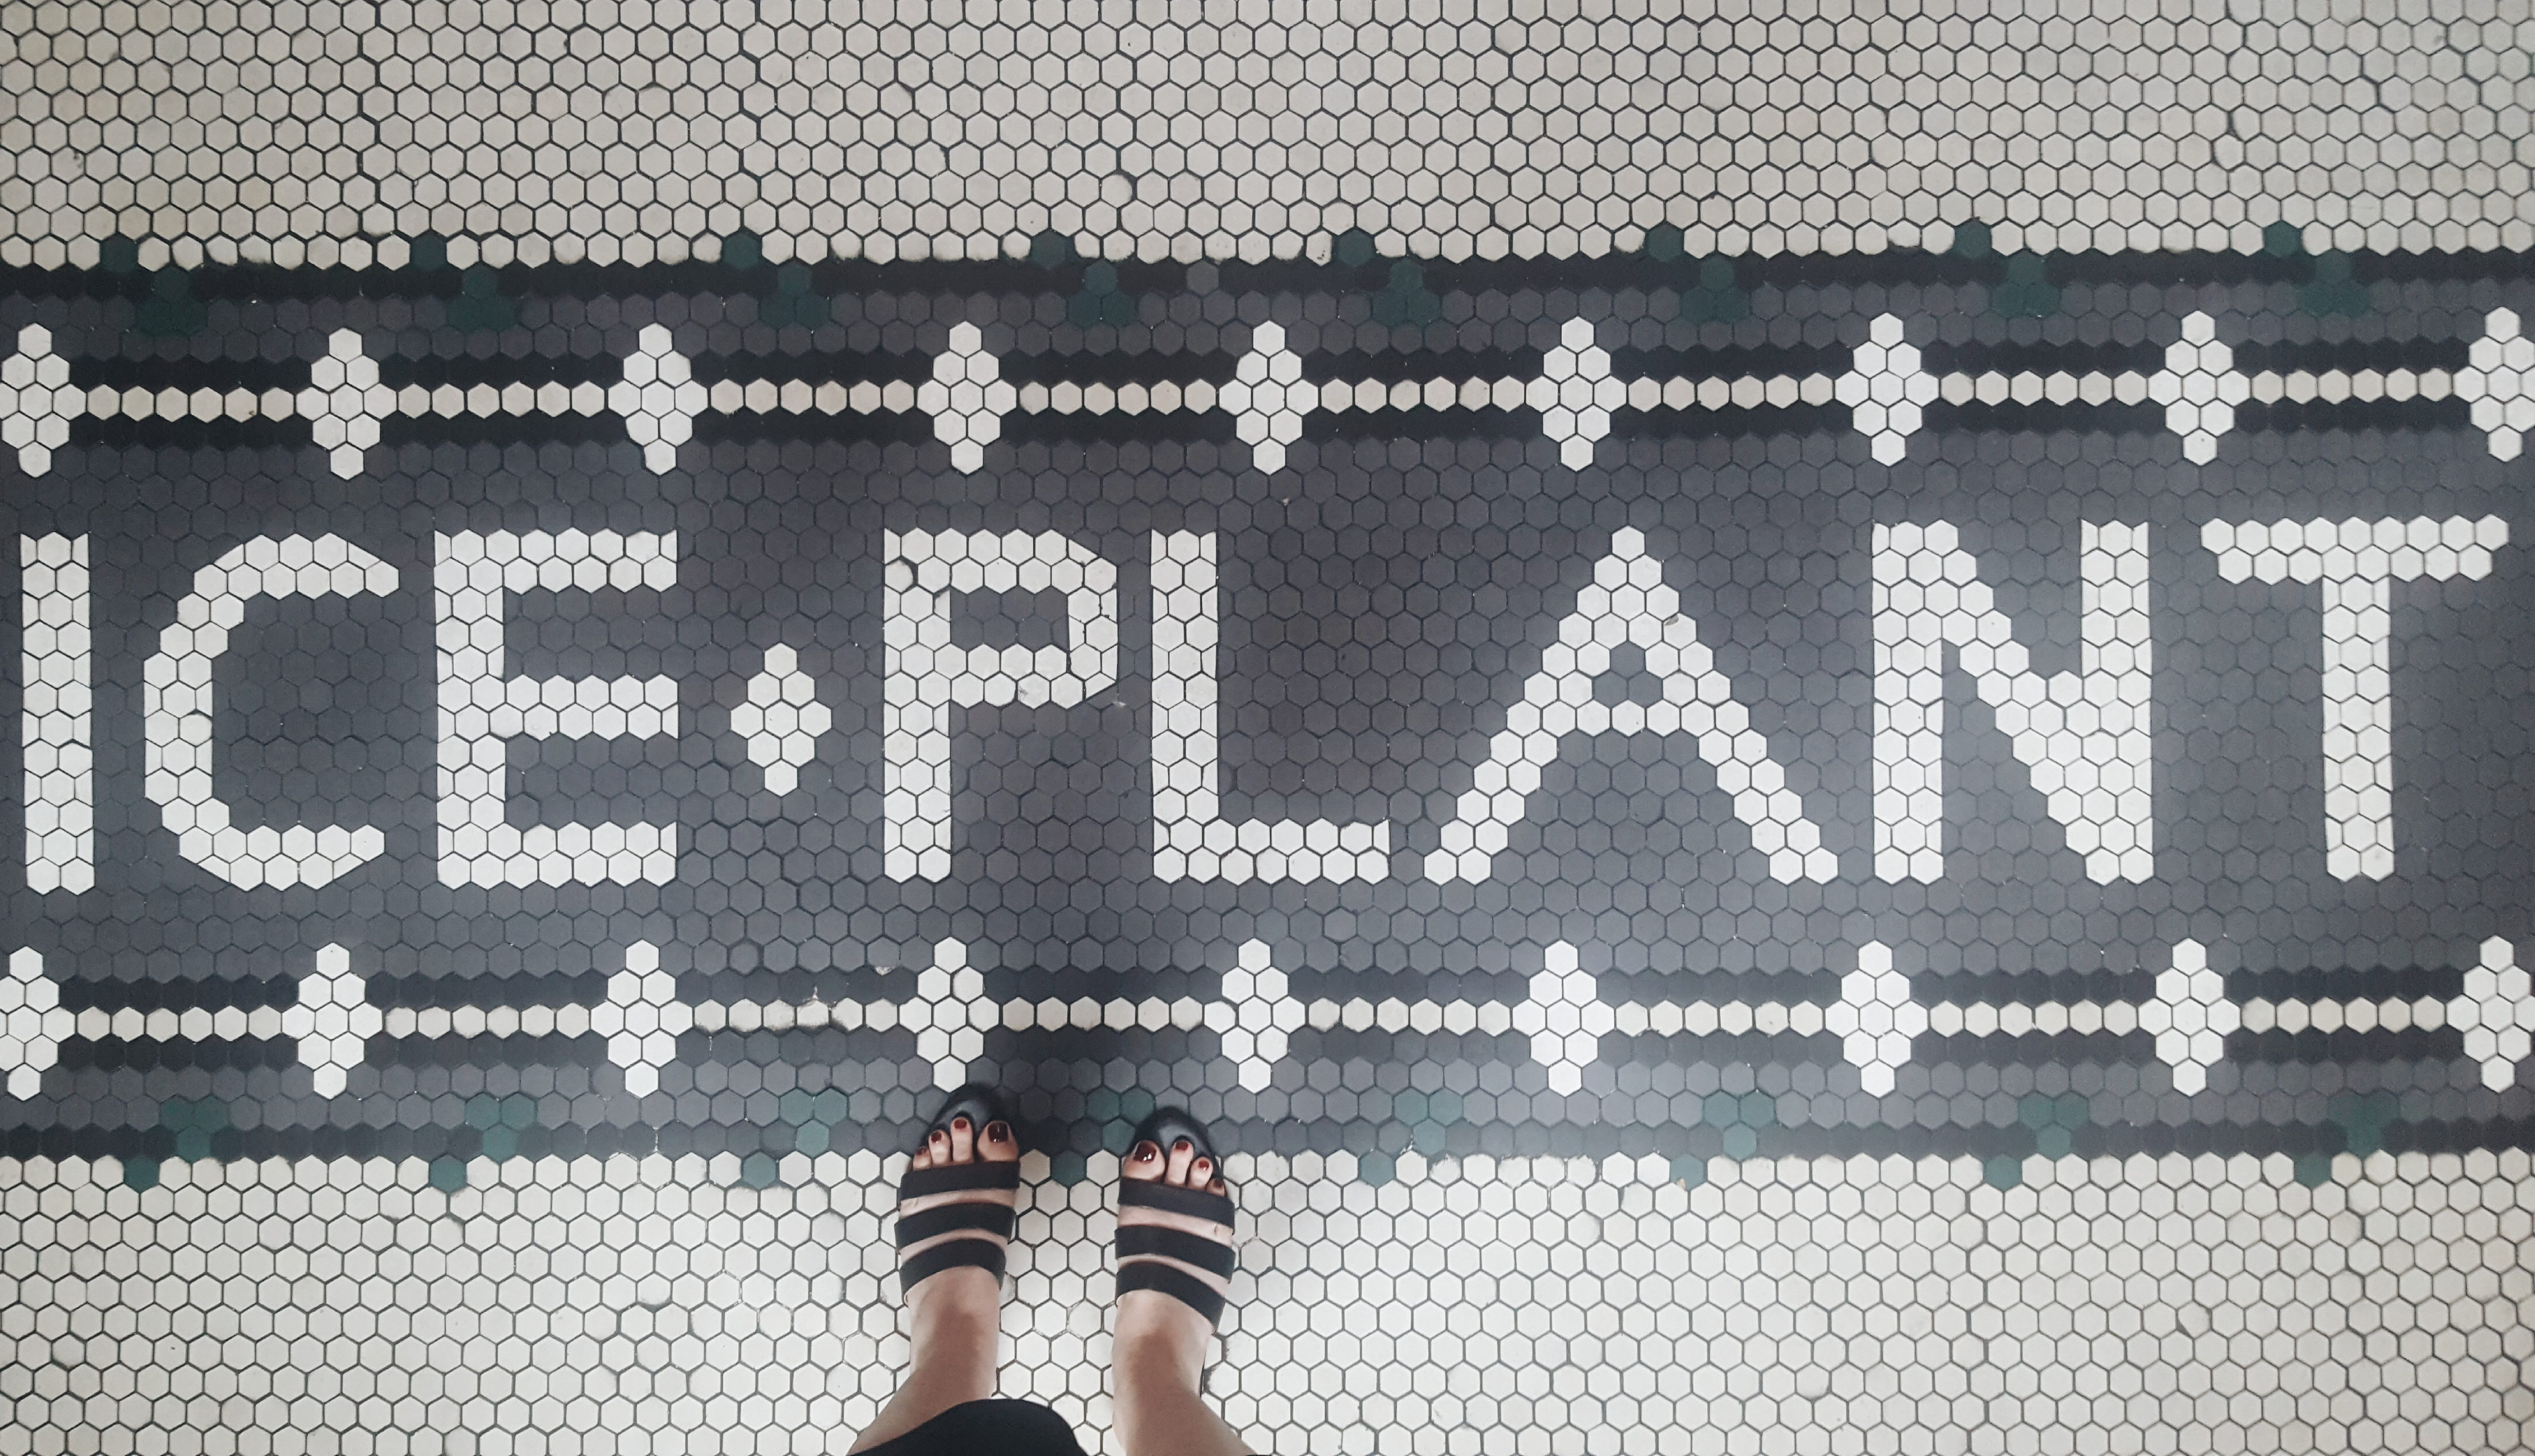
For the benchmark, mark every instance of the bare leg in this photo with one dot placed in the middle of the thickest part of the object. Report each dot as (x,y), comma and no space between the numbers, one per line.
(951,1317)
(1159,1355)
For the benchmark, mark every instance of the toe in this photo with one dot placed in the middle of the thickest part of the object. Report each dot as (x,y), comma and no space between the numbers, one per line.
(964,1140)
(998,1145)
(1144,1163)
(1183,1154)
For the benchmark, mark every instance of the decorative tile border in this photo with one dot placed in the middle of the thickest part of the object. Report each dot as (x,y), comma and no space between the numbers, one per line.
(1886,389)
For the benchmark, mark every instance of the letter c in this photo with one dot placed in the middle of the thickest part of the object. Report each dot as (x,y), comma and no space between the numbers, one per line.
(177,701)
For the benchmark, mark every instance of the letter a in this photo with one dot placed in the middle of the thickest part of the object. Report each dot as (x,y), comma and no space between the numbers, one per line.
(1629,602)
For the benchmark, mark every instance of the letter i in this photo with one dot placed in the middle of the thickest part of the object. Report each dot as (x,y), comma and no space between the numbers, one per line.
(53,715)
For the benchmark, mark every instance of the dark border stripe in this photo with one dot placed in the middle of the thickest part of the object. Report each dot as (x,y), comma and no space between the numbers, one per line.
(1119,367)
(211,1053)
(1763,360)
(1391,366)
(190,995)
(2046,418)
(431,371)
(2347,983)
(119,433)
(1421,423)
(2042,358)
(1528,275)
(1184,426)
(818,369)
(1731,422)
(2351,356)
(122,373)
(500,429)
(2035,1048)
(2289,416)
(845,427)
(2412,1044)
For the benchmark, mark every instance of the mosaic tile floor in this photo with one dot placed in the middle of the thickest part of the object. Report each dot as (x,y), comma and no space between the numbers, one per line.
(1810,724)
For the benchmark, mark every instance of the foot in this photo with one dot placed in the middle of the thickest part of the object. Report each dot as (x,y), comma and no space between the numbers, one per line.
(1164,1335)
(952,1242)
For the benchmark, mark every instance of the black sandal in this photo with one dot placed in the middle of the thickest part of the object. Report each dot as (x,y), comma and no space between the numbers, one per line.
(1149,1243)
(983,1107)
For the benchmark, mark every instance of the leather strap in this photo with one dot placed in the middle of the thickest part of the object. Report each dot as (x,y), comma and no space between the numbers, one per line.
(1179,1284)
(958,1178)
(1195,1202)
(983,1217)
(1188,1248)
(959,1253)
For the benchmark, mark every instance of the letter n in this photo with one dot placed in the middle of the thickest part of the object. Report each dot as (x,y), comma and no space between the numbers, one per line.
(2083,735)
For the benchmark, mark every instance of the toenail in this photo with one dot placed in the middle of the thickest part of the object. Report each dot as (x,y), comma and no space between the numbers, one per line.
(1182,1146)
(998,1132)
(959,1125)
(1145,1152)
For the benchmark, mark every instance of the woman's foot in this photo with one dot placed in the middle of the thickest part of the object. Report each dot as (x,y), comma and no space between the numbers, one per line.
(955,1209)
(1175,1252)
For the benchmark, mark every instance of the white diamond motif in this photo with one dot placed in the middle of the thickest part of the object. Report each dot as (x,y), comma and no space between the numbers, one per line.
(2497,1015)
(658,397)
(782,719)
(33,1024)
(2498,379)
(38,400)
(1268,398)
(642,1018)
(2199,388)
(345,402)
(2191,1016)
(967,398)
(1576,394)
(1875,1018)
(1565,1016)
(1885,391)
(333,1021)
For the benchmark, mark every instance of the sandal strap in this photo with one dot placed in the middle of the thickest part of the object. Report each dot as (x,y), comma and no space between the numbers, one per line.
(958,1178)
(1179,1284)
(1195,1202)
(951,1218)
(1188,1248)
(959,1253)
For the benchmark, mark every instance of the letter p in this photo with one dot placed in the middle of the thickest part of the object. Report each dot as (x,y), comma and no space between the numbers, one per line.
(927,675)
